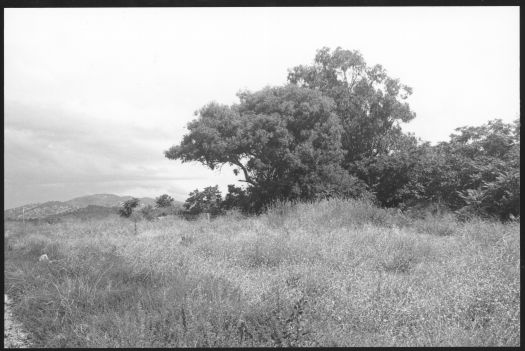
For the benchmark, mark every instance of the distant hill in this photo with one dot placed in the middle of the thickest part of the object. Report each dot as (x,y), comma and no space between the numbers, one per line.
(86,213)
(38,210)
(105,200)
(90,205)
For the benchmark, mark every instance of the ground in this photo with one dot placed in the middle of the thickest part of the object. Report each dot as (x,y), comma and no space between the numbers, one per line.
(14,335)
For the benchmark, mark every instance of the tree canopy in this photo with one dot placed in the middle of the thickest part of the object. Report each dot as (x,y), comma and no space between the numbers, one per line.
(369,103)
(163,201)
(483,168)
(206,201)
(127,207)
(286,141)
(335,130)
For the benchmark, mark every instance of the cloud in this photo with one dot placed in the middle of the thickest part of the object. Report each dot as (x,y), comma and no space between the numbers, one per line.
(50,148)
(72,146)
(93,107)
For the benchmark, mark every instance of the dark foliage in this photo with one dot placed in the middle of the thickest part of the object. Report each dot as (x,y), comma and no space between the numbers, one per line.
(236,198)
(206,201)
(369,103)
(164,201)
(334,130)
(127,207)
(286,141)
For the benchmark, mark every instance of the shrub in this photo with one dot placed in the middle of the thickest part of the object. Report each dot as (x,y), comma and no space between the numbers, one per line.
(127,207)
(206,201)
(148,213)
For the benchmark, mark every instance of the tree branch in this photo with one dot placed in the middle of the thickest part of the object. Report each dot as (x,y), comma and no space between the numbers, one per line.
(247,177)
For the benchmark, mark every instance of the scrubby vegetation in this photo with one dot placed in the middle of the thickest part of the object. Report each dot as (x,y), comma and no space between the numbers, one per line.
(327,273)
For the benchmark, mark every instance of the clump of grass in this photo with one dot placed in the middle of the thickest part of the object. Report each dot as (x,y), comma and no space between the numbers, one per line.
(265,251)
(335,213)
(401,253)
(442,225)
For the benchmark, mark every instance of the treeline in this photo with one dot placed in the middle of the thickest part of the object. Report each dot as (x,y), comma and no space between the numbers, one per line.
(334,131)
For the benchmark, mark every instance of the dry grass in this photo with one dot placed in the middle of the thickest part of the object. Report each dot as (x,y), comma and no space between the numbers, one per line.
(334,273)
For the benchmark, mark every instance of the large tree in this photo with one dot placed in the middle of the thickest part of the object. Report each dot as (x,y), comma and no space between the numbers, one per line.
(286,142)
(369,103)
(302,140)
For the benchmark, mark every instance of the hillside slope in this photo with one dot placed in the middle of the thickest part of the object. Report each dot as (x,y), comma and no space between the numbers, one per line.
(54,208)
(105,200)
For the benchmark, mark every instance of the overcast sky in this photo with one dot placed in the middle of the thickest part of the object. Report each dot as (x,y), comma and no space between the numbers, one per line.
(94,96)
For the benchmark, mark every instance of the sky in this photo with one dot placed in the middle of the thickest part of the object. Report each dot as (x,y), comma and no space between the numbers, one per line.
(94,96)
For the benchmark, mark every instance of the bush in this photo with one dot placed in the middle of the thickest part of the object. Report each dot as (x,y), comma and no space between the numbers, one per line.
(206,201)
(164,201)
(148,213)
(127,207)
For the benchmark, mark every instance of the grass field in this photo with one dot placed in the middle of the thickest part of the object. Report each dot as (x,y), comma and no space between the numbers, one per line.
(333,273)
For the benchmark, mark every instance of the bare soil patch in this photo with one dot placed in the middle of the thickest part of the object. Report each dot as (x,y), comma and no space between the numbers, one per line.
(14,335)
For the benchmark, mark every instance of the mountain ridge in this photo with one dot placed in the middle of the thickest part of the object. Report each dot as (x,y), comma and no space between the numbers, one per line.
(50,208)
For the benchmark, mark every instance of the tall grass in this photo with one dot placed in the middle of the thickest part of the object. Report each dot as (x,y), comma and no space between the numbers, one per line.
(332,273)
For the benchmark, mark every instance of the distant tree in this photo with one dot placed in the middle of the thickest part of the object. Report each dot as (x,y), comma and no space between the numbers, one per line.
(205,201)
(128,206)
(127,211)
(164,201)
